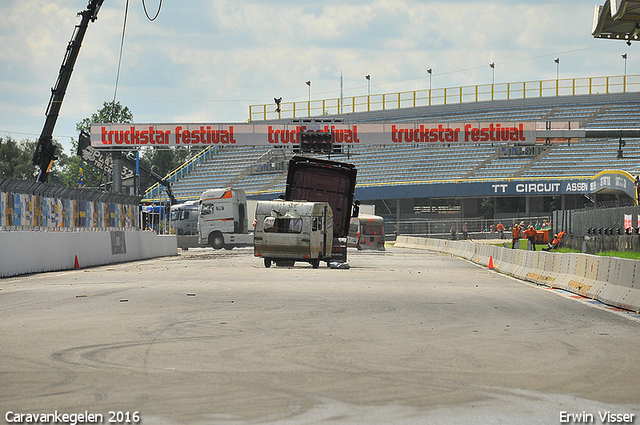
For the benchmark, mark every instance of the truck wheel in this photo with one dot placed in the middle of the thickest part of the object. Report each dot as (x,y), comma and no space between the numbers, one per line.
(216,240)
(267,262)
(315,264)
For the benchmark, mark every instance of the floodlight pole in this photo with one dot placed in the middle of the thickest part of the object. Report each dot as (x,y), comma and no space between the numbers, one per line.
(557,61)
(309,104)
(493,76)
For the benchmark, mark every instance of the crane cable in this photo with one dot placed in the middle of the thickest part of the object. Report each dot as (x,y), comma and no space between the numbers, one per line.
(144,6)
(124,27)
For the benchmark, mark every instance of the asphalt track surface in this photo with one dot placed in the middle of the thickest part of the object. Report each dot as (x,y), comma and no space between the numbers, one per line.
(403,337)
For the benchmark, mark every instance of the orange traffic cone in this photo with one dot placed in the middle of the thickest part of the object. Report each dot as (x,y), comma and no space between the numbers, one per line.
(76,265)
(491,262)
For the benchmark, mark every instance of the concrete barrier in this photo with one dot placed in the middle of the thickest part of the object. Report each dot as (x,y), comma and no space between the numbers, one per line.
(568,268)
(613,281)
(507,262)
(36,252)
(625,291)
(537,272)
(520,271)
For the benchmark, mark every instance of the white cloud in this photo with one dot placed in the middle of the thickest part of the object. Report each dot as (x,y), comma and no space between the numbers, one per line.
(209,60)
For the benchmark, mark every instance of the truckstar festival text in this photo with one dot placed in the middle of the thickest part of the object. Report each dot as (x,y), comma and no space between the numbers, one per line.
(122,135)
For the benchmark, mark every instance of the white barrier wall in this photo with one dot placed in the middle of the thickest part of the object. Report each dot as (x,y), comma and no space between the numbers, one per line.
(613,281)
(34,252)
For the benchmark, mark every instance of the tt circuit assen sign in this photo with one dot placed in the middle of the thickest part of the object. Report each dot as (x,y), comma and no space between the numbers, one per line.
(122,136)
(604,182)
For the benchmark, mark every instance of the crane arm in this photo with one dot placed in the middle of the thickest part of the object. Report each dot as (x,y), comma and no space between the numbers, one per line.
(45,151)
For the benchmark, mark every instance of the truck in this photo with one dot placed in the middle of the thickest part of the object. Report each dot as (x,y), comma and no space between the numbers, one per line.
(289,231)
(184,218)
(321,180)
(222,219)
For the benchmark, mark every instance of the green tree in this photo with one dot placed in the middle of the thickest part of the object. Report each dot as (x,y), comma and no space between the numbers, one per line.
(59,169)
(15,159)
(110,113)
(160,161)
(92,176)
(164,161)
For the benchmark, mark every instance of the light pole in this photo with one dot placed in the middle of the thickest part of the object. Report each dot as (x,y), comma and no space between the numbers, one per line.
(430,71)
(624,79)
(309,103)
(557,61)
(493,76)
(368,77)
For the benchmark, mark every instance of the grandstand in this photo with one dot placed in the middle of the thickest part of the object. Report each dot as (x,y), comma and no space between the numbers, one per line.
(391,170)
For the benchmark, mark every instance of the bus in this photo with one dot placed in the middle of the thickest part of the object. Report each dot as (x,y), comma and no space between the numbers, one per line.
(366,232)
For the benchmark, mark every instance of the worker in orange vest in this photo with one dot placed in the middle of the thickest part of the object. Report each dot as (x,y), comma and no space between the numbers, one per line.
(530,234)
(557,240)
(515,235)
(500,229)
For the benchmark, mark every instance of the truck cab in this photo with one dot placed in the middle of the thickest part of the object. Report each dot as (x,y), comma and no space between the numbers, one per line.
(184,218)
(222,219)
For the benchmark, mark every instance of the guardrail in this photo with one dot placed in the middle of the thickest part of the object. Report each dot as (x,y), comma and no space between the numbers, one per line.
(612,281)
(448,95)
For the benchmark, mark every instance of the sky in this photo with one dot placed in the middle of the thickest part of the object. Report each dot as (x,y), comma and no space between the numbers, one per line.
(208,60)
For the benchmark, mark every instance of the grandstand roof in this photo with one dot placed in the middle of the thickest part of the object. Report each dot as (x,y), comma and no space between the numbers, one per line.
(617,19)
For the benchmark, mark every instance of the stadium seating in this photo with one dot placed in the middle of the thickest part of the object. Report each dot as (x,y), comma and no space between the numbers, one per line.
(254,169)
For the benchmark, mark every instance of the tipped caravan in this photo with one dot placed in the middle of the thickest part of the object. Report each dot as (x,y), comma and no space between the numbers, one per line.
(290,231)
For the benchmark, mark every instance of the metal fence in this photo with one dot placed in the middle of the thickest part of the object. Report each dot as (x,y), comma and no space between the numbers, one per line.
(446,96)
(31,205)
(601,221)
(478,228)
